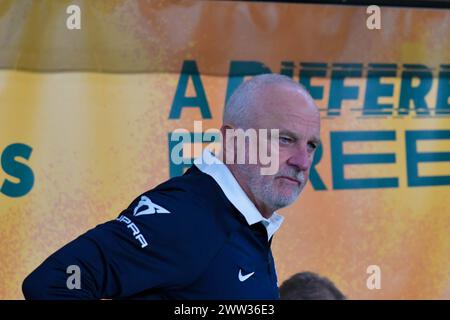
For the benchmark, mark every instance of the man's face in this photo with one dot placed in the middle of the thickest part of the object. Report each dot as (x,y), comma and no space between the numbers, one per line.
(295,115)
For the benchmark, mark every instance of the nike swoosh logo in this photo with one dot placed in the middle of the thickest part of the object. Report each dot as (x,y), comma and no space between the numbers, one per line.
(243,278)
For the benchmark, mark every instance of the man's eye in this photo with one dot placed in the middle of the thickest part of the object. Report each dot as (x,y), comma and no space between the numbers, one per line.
(312,146)
(285,140)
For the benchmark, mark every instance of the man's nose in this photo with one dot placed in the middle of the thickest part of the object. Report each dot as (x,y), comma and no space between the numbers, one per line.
(300,159)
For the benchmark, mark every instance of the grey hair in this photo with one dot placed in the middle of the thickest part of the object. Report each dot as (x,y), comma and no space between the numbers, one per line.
(237,111)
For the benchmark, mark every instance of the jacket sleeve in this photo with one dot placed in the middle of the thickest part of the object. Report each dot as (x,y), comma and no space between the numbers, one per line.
(154,244)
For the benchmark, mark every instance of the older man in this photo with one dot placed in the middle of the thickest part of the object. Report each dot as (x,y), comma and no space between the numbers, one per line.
(206,234)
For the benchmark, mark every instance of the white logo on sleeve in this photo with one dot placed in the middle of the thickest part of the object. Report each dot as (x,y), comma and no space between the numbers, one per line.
(243,278)
(136,233)
(152,208)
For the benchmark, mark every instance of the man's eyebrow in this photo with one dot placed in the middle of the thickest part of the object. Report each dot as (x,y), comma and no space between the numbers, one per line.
(297,136)
(289,133)
(314,139)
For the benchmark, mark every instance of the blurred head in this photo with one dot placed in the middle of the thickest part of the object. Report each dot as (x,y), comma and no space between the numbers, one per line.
(309,286)
(274,101)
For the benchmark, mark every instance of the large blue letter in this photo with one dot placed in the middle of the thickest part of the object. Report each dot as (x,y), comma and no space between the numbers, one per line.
(241,69)
(339,159)
(313,70)
(443,92)
(414,157)
(17,170)
(339,92)
(416,94)
(180,100)
(314,177)
(375,89)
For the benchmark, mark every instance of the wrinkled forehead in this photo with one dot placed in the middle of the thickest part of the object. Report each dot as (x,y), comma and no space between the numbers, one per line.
(286,107)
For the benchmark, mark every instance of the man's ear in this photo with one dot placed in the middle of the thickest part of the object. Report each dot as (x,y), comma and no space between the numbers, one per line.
(227,154)
(223,129)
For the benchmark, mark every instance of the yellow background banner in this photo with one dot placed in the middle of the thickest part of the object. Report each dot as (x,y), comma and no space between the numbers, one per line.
(85,118)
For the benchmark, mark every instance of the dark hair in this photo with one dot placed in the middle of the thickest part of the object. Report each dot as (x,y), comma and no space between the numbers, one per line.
(309,286)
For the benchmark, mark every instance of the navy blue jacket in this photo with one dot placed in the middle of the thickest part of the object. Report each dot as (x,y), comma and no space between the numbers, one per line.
(181,240)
